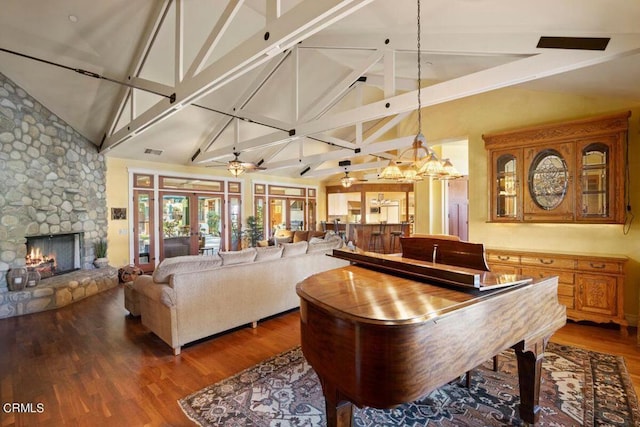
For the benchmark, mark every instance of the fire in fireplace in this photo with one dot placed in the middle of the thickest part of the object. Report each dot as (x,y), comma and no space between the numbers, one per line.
(54,254)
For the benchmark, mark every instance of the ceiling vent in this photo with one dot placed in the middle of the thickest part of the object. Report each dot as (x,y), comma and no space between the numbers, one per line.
(152,151)
(580,43)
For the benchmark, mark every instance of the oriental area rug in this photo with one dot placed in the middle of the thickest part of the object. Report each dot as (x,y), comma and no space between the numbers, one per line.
(578,388)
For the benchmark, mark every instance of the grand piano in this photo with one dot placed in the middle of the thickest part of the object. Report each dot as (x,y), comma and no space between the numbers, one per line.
(388,329)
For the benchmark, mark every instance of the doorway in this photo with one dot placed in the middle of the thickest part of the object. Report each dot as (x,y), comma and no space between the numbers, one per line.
(458,207)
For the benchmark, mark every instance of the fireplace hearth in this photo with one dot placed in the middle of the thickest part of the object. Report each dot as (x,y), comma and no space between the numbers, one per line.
(54,254)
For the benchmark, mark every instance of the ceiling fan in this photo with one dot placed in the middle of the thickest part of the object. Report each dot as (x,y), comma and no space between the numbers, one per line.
(347,180)
(237,167)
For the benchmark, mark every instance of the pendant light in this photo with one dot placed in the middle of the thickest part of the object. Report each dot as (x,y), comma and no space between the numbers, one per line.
(424,162)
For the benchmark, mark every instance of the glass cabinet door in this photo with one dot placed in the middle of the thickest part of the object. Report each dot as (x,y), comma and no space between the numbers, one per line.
(595,185)
(506,194)
(507,182)
(594,181)
(550,194)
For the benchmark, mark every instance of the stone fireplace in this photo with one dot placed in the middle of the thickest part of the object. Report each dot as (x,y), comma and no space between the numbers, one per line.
(52,184)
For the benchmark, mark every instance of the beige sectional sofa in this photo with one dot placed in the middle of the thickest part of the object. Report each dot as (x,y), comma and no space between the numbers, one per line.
(193,297)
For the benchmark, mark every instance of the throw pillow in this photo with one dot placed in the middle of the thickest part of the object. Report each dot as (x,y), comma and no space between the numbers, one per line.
(271,252)
(313,234)
(238,257)
(179,264)
(299,236)
(293,249)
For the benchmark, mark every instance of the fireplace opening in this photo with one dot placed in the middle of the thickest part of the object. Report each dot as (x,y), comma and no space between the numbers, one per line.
(54,254)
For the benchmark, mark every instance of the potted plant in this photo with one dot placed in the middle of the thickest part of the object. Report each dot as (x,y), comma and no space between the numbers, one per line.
(254,231)
(100,252)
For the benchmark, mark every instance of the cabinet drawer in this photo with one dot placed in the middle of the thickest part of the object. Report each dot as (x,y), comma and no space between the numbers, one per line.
(566,301)
(600,266)
(538,273)
(504,269)
(549,262)
(565,290)
(503,258)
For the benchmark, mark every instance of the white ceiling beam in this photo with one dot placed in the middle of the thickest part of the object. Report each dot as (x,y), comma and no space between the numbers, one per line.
(151,86)
(261,119)
(274,10)
(339,88)
(179,42)
(389,82)
(295,84)
(440,43)
(338,142)
(317,173)
(359,100)
(390,123)
(300,22)
(139,58)
(214,37)
(403,84)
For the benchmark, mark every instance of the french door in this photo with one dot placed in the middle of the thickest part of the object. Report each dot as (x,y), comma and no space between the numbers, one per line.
(192,224)
(144,244)
(287,213)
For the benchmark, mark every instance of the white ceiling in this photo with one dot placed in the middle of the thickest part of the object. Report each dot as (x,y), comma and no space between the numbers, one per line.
(332,47)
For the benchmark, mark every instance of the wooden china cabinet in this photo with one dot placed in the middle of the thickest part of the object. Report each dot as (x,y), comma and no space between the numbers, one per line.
(571,172)
(567,172)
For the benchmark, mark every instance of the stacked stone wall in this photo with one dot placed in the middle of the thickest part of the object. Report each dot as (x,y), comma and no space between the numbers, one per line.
(52,179)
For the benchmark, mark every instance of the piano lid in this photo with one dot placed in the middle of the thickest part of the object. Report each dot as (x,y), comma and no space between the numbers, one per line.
(431,271)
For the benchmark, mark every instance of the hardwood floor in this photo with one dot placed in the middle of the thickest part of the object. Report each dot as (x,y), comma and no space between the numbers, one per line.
(90,364)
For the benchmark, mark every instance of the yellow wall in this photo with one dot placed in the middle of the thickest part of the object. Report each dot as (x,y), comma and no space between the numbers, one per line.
(118,196)
(514,108)
(470,117)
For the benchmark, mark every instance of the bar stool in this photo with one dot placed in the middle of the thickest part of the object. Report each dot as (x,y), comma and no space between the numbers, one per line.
(336,228)
(377,236)
(396,234)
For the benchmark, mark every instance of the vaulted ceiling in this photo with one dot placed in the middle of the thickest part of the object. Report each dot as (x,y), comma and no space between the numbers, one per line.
(296,84)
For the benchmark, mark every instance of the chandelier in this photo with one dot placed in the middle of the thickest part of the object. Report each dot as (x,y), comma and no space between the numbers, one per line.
(421,161)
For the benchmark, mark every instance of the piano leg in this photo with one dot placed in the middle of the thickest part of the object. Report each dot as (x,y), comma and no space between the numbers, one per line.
(338,409)
(530,356)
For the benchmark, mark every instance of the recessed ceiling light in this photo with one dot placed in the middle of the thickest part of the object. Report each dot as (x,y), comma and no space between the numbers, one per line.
(73,18)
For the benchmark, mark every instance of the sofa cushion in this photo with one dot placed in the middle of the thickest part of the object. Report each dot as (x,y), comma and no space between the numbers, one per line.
(299,236)
(238,257)
(178,264)
(293,249)
(268,253)
(320,245)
